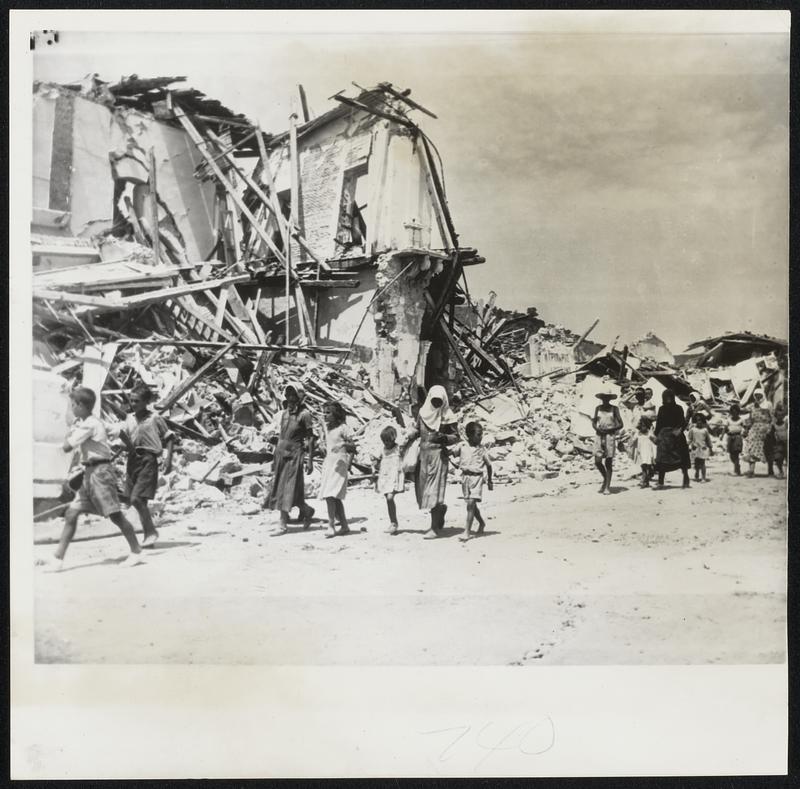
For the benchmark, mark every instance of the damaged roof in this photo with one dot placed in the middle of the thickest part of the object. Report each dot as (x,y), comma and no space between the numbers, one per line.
(150,96)
(732,348)
(739,337)
(381,100)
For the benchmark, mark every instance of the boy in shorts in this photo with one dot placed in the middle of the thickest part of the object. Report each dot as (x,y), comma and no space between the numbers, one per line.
(98,493)
(145,436)
(473,461)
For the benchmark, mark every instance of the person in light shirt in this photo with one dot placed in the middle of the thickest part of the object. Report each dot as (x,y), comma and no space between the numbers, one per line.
(98,492)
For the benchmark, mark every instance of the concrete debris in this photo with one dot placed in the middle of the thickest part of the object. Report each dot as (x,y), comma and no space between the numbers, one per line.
(216,284)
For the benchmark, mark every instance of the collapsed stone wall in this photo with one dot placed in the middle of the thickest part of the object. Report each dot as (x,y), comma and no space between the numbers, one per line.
(398,317)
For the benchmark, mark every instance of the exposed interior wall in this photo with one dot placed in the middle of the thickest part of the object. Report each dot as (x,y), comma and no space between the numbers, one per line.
(190,202)
(341,311)
(100,135)
(398,212)
(398,317)
(95,135)
(44,110)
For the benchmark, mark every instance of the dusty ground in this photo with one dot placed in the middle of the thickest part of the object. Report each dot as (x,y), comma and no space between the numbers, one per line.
(563,576)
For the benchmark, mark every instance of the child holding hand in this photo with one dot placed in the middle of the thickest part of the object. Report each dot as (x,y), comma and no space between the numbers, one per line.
(336,468)
(391,479)
(474,463)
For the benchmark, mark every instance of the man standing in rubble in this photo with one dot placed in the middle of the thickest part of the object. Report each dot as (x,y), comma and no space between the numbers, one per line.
(607,422)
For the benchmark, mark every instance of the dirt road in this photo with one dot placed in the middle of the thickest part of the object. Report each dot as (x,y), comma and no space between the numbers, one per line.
(563,576)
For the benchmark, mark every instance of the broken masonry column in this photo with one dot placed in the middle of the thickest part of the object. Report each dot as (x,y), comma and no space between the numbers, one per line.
(398,319)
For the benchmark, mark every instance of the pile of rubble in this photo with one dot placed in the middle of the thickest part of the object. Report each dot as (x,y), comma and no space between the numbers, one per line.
(527,431)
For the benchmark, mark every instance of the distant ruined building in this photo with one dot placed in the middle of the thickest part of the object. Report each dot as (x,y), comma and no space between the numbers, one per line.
(654,348)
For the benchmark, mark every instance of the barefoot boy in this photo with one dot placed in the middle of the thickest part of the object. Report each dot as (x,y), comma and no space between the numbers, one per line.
(98,493)
(607,422)
(145,436)
(473,461)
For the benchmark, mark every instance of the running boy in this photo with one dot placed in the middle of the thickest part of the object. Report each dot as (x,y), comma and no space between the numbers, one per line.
(473,462)
(98,492)
(145,435)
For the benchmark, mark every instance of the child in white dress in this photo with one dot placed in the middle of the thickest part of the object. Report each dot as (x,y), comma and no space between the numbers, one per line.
(700,447)
(391,479)
(335,468)
(646,450)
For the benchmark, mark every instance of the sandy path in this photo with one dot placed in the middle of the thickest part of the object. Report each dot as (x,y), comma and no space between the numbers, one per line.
(564,576)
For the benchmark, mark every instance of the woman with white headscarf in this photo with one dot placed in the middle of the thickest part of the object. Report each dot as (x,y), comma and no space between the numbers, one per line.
(758,427)
(436,425)
(287,489)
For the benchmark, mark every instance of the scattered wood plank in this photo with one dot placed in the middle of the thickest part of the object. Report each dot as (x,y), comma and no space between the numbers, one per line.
(239,345)
(186,385)
(169,293)
(208,155)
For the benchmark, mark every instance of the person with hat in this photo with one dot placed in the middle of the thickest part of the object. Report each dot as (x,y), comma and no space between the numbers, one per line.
(606,422)
(287,489)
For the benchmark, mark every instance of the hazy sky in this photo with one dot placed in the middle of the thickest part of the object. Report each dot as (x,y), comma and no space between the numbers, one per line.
(639,178)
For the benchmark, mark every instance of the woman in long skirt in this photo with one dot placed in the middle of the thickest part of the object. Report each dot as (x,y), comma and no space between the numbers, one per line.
(288,484)
(672,451)
(437,429)
(758,430)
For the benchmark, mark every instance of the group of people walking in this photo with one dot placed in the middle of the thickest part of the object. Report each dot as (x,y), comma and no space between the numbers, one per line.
(431,441)
(669,439)
(661,441)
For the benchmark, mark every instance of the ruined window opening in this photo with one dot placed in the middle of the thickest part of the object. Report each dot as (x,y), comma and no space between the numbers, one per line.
(351,231)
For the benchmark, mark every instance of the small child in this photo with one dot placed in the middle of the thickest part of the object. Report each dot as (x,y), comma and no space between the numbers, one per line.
(98,492)
(646,451)
(145,434)
(606,422)
(700,447)
(473,462)
(780,435)
(734,430)
(336,467)
(391,479)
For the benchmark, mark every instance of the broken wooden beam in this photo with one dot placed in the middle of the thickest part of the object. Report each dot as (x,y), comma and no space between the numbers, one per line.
(244,346)
(372,111)
(388,87)
(208,155)
(186,385)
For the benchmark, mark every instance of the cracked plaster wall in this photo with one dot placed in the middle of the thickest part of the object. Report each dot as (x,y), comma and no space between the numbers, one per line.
(101,134)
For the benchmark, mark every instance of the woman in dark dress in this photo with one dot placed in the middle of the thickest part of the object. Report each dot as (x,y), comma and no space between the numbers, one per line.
(288,485)
(672,451)
(436,426)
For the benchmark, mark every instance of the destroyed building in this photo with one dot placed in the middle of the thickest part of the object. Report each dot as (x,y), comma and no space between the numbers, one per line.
(653,348)
(161,218)
(339,236)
